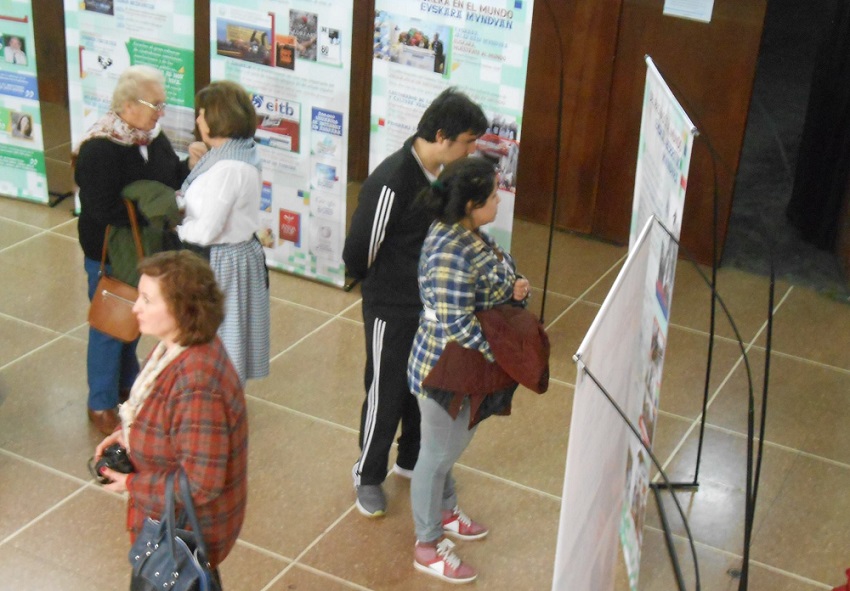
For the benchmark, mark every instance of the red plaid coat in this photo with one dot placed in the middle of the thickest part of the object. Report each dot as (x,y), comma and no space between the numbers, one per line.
(195,418)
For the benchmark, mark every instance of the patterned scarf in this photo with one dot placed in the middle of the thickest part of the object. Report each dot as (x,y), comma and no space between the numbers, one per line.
(115,129)
(242,149)
(143,386)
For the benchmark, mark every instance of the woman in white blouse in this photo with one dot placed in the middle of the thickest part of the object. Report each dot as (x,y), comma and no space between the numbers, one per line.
(222,207)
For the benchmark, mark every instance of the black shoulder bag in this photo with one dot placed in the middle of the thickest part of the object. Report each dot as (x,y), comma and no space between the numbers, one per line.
(165,557)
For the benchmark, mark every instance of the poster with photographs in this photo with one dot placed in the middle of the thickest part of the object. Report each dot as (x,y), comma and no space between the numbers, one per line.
(294,58)
(420,48)
(22,167)
(104,37)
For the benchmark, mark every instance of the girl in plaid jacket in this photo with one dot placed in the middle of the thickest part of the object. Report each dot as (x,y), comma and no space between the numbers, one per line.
(461,271)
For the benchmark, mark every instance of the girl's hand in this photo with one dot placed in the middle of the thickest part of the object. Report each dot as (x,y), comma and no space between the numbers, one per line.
(522,288)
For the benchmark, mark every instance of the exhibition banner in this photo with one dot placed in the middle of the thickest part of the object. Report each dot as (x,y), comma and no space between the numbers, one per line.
(598,464)
(294,58)
(608,470)
(421,47)
(22,168)
(664,155)
(104,37)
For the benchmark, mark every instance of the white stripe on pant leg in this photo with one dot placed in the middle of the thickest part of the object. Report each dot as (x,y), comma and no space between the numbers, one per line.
(378,330)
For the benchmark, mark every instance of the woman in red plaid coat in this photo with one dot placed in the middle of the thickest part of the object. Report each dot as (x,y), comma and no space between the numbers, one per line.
(187,408)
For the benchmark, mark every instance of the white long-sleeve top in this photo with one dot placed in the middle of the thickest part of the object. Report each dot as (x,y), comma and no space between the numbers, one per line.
(222,205)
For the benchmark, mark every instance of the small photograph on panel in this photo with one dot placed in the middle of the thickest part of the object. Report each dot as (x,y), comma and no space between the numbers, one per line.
(248,42)
(304,26)
(100,6)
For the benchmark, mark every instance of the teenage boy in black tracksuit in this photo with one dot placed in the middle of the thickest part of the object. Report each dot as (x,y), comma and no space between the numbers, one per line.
(382,249)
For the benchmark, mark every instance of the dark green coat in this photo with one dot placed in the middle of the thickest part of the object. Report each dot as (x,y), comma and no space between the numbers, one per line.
(157,205)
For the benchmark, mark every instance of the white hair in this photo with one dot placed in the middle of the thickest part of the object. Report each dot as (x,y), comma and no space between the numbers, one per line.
(133,81)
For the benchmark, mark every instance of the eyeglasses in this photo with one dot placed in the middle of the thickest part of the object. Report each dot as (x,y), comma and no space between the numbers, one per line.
(159,107)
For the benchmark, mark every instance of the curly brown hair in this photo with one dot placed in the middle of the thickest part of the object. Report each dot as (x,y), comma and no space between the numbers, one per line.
(191,292)
(228,110)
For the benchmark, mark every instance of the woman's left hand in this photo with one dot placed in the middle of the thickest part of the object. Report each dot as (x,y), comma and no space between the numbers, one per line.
(119,480)
(521,289)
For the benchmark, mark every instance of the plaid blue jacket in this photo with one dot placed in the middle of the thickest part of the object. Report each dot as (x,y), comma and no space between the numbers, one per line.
(458,276)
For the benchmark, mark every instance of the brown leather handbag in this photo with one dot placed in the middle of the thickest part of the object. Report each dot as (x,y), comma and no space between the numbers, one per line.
(111,310)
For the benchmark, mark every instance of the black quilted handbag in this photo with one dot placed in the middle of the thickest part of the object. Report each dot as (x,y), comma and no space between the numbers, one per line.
(165,557)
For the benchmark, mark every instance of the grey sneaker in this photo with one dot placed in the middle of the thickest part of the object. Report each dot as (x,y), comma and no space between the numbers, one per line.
(371,501)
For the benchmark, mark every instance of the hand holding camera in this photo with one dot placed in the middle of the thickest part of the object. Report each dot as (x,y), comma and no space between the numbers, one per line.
(113,457)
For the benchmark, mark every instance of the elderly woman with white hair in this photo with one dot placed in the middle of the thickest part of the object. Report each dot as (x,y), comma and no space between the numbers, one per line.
(124,146)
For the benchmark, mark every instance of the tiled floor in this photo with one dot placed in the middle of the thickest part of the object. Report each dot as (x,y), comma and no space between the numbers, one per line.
(60,531)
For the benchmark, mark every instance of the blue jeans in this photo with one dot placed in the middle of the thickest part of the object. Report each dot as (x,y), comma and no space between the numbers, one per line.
(111,364)
(432,488)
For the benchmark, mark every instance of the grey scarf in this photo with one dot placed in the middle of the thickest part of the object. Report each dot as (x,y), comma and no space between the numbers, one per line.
(242,149)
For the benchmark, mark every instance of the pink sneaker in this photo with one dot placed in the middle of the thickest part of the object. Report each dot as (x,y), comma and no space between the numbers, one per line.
(457,524)
(440,561)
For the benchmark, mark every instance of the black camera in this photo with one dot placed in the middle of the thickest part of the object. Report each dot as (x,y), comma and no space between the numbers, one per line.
(115,458)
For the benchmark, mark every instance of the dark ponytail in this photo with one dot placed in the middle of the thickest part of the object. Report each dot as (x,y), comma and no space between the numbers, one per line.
(462,181)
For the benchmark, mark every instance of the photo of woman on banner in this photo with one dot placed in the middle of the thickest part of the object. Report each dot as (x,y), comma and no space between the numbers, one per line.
(22,125)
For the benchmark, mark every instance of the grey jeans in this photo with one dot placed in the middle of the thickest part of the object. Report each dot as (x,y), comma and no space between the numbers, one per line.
(432,488)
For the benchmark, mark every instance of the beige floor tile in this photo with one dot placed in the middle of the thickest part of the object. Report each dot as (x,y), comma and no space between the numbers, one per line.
(530,446)
(555,305)
(36,214)
(685,362)
(745,296)
(247,569)
(355,314)
(320,296)
(13,232)
(18,338)
(576,262)
(715,511)
(801,394)
(804,530)
(85,536)
(53,297)
(669,432)
(68,229)
(336,392)
(26,492)
(812,326)
(289,323)
(299,478)
(43,415)
(763,579)
(378,553)
(36,571)
(308,579)
(565,336)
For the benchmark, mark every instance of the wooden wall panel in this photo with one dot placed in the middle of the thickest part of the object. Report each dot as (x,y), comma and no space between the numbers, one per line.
(361,89)
(589,33)
(710,68)
(48,21)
